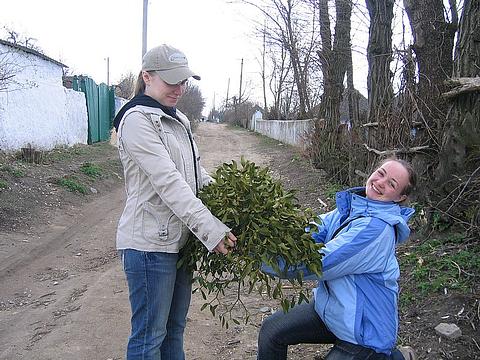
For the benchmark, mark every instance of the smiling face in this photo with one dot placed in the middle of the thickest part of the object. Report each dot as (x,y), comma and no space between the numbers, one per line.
(165,94)
(388,182)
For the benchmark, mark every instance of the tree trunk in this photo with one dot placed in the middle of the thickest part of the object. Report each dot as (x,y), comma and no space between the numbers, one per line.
(334,59)
(379,55)
(433,45)
(458,172)
(461,142)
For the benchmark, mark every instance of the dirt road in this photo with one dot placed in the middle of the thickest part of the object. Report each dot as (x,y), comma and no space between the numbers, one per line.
(63,293)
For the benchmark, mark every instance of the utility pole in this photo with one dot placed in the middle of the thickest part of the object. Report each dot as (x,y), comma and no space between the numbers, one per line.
(108,71)
(240,91)
(144,31)
(226,99)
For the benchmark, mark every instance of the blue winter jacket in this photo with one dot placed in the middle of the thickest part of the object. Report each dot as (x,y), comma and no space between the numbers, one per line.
(357,294)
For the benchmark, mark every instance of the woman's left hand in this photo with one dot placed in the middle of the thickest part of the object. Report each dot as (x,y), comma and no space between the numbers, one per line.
(226,244)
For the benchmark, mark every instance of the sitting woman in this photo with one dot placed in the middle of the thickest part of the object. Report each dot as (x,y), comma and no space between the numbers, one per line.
(354,306)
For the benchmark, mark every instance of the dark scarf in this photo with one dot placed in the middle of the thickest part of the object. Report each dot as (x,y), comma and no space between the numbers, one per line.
(144,100)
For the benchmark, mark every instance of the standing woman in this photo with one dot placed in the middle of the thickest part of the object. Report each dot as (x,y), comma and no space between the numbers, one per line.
(354,305)
(162,178)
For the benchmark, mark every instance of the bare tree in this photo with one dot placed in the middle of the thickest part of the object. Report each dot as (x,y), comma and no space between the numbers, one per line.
(10,67)
(16,38)
(279,84)
(126,86)
(289,26)
(192,102)
(8,70)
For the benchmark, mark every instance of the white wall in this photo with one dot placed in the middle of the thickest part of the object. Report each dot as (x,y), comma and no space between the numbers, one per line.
(287,131)
(36,108)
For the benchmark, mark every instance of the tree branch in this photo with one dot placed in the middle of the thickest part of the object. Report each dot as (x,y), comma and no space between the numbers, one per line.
(397,151)
(462,86)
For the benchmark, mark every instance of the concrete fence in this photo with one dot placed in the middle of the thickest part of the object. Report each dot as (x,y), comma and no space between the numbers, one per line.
(287,131)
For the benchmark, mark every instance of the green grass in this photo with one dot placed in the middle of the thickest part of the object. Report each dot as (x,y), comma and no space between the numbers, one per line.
(12,171)
(72,184)
(3,184)
(61,154)
(91,170)
(332,189)
(442,263)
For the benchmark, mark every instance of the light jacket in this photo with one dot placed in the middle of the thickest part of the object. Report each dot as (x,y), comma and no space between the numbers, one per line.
(162,177)
(357,294)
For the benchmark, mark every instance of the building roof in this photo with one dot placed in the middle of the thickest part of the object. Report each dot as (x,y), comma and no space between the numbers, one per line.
(32,51)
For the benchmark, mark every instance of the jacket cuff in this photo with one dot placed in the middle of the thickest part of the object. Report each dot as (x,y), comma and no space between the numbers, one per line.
(210,233)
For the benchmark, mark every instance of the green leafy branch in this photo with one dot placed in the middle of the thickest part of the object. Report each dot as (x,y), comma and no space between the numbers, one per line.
(269,224)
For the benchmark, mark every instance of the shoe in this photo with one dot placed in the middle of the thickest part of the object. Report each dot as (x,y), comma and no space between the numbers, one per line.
(407,352)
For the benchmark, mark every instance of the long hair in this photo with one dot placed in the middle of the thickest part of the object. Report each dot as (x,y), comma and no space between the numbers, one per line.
(139,85)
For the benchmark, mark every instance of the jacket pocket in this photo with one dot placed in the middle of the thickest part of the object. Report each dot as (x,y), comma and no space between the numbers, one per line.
(160,225)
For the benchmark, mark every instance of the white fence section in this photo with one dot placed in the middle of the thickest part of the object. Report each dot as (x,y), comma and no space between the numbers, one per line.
(287,131)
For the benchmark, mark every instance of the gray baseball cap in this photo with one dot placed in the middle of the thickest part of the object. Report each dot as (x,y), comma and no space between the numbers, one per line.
(170,64)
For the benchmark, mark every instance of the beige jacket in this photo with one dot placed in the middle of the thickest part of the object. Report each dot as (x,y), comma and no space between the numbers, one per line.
(162,177)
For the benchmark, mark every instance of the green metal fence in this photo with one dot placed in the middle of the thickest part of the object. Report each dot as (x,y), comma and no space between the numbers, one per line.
(100,107)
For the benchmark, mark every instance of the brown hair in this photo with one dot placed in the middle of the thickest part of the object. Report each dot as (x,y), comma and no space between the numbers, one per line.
(140,84)
(412,175)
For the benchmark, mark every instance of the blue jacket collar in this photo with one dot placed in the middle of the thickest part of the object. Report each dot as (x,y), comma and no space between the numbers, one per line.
(352,203)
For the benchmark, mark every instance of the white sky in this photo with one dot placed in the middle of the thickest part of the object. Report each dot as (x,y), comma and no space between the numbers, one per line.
(214,34)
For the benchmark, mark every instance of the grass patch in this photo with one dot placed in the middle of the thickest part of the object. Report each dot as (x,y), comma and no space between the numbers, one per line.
(64,154)
(3,184)
(332,189)
(446,262)
(91,170)
(12,171)
(72,184)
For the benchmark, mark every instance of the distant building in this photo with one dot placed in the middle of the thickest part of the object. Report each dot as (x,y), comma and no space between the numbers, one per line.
(35,108)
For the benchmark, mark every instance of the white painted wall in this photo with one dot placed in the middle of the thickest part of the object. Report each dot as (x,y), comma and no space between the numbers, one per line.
(287,131)
(36,108)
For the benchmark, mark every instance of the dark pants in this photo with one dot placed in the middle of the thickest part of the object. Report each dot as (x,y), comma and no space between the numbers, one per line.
(303,325)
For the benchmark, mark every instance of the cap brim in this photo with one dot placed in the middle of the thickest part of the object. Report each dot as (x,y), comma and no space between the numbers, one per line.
(175,76)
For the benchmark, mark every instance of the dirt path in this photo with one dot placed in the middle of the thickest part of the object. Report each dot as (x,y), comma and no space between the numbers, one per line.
(63,294)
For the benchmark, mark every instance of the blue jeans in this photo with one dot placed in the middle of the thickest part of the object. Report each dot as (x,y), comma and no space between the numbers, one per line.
(303,325)
(159,299)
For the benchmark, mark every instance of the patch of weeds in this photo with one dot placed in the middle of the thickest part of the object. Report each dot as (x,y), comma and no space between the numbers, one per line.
(72,184)
(12,171)
(407,298)
(295,157)
(3,184)
(419,219)
(446,262)
(439,222)
(332,189)
(91,170)
(60,154)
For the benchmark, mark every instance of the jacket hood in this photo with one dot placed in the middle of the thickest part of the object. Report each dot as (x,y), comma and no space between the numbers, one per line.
(143,100)
(352,203)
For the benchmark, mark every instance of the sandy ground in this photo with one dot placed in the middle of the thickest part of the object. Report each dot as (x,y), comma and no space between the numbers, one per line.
(63,292)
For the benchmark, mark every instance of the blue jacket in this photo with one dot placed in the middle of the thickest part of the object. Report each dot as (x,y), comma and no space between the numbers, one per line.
(357,294)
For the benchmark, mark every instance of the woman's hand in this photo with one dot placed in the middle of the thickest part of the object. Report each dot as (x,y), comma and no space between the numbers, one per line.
(226,244)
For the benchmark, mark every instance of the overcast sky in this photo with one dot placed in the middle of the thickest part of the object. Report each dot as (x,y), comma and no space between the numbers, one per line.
(214,34)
